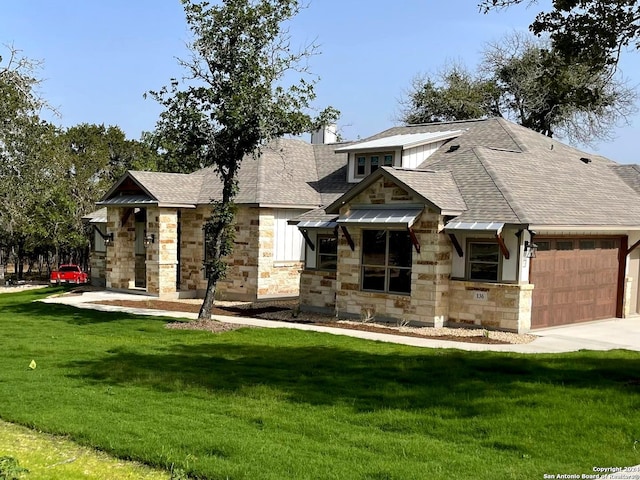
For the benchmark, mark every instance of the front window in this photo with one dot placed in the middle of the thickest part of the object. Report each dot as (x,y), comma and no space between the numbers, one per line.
(386,261)
(484,261)
(327,252)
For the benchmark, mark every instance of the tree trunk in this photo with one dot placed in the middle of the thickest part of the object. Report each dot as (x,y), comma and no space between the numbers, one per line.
(209,297)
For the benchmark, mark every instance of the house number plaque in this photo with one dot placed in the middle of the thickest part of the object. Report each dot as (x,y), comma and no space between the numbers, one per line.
(482,296)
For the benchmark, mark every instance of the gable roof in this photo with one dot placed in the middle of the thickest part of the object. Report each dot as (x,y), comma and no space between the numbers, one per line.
(288,173)
(437,189)
(507,173)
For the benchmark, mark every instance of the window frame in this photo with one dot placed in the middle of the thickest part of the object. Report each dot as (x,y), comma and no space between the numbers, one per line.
(319,238)
(381,157)
(386,266)
(469,261)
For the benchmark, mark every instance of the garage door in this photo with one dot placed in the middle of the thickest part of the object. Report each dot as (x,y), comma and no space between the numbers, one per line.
(575,280)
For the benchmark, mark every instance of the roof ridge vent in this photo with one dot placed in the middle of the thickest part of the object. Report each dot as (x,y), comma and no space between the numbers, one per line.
(453,148)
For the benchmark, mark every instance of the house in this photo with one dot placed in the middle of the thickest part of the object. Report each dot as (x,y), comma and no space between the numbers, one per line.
(148,233)
(482,223)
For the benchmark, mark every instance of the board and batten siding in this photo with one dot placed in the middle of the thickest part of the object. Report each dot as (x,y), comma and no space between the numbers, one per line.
(288,243)
(413,157)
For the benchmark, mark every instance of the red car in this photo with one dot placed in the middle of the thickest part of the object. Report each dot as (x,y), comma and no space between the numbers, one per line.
(69,274)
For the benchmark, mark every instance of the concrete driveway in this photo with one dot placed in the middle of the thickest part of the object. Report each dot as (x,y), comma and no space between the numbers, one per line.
(600,335)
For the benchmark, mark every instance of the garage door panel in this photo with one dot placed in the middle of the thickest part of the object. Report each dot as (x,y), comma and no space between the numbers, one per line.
(575,280)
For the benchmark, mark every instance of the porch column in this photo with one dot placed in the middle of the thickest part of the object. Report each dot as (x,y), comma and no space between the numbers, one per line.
(120,257)
(162,254)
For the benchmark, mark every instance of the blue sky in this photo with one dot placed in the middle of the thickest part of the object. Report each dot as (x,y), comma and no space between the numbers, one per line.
(100,57)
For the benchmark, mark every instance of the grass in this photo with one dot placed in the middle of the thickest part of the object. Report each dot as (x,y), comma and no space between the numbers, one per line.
(56,458)
(274,404)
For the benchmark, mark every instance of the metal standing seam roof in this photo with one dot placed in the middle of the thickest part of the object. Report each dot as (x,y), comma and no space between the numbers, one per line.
(317,224)
(404,141)
(475,226)
(128,200)
(381,216)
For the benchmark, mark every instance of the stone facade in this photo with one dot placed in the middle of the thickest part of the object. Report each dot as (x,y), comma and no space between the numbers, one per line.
(491,305)
(120,262)
(98,264)
(431,268)
(252,274)
(275,278)
(435,299)
(318,290)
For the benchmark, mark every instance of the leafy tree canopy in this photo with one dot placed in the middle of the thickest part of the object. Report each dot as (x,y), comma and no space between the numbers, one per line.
(529,83)
(592,32)
(245,84)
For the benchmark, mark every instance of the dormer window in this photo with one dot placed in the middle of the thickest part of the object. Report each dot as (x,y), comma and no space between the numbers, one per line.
(366,164)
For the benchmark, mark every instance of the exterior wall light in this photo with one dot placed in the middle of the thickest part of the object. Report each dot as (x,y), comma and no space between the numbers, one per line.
(108,239)
(530,249)
(149,239)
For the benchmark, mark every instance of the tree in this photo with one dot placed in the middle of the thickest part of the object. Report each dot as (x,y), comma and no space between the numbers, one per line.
(532,85)
(454,94)
(239,93)
(592,32)
(23,140)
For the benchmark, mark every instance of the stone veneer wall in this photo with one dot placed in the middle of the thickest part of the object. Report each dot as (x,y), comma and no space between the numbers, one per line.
(120,262)
(275,278)
(492,305)
(98,263)
(431,269)
(318,290)
(241,282)
(162,255)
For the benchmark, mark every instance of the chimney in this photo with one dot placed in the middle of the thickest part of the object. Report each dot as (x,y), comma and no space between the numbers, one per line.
(325,134)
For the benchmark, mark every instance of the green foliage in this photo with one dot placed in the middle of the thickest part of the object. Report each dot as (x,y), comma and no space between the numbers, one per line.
(49,177)
(235,99)
(10,469)
(455,95)
(528,83)
(278,403)
(592,32)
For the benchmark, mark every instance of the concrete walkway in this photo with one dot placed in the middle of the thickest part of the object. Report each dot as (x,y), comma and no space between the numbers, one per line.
(603,335)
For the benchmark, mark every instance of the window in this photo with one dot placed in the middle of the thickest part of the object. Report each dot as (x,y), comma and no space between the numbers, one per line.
(484,261)
(327,252)
(564,245)
(386,261)
(543,246)
(99,234)
(365,165)
(374,161)
(587,244)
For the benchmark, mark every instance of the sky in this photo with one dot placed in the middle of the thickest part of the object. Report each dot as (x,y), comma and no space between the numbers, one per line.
(100,57)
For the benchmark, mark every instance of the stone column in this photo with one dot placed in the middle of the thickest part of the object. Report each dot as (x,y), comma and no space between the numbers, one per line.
(120,256)
(162,255)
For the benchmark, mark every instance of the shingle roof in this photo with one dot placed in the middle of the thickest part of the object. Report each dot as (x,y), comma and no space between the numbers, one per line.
(288,172)
(170,187)
(508,173)
(436,188)
(439,187)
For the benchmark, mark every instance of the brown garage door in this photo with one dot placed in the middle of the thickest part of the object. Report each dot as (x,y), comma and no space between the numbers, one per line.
(575,280)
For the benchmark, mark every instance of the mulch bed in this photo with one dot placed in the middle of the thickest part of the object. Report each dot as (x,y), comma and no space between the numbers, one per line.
(367,327)
(193,307)
(259,312)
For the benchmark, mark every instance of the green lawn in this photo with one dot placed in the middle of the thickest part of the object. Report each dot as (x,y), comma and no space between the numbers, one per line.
(286,404)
